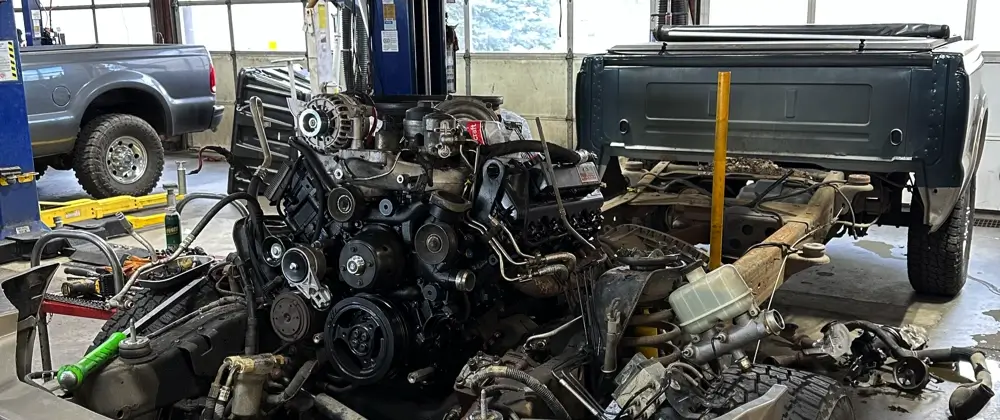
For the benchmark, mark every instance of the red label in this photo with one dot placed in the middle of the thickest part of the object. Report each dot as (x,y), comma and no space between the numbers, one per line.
(475,129)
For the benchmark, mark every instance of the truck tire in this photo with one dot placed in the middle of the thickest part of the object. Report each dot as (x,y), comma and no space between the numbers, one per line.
(118,154)
(937,263)
(145,300)
(813,396)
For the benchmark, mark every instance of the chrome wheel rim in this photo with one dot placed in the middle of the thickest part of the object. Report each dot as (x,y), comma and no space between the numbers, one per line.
(126,159)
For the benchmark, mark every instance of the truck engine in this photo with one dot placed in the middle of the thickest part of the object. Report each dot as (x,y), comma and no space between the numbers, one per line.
(431,263)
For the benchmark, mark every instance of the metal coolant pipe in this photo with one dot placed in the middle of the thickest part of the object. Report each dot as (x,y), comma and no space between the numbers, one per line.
(746,331)
(100,243)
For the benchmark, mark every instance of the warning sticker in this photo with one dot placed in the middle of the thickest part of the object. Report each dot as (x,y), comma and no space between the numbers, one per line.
(8,64)
(390,41)
(588,173)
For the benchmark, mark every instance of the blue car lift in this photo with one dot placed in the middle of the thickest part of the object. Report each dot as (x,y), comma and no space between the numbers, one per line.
(19,215)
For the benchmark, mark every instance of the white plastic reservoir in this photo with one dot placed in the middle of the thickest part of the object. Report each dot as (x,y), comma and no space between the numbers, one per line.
(719,295)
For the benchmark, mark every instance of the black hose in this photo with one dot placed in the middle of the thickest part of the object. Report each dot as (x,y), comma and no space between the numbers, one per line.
(967,400)
(312,162)
(361,49)
(189,197)
(295,385)
(493,372)
(225,301)
(256,213)
(412,212)
(884,336)
(559,154)
(250,345)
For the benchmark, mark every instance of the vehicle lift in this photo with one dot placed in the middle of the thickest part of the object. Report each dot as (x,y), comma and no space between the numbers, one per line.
(19,213)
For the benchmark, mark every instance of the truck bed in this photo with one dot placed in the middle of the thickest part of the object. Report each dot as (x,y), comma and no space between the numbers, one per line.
(844,102)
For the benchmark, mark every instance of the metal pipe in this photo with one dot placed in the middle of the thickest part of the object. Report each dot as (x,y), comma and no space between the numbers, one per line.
(257,114)
(719,171)
(555,188)
(135,235)
(210,196)
(467,29)
(557,330)
(97,241)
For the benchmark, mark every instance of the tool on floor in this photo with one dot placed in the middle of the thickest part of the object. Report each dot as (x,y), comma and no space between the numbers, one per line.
(172,219)
(71,376)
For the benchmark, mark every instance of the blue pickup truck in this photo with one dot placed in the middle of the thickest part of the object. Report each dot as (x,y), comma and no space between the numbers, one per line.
(103,110)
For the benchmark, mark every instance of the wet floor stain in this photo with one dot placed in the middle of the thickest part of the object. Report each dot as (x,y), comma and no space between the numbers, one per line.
(989,286)
(995,314)
(881,249)
(824,274)
(898,409)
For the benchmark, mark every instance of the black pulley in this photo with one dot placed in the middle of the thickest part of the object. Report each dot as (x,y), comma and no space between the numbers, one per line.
(292,318)
(345,204)
(436,243)
(366,338)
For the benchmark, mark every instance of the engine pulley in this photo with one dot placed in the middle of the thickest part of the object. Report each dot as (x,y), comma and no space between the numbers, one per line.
(436,243)
(345,204)
(366,338)
(291,317)
(374,259)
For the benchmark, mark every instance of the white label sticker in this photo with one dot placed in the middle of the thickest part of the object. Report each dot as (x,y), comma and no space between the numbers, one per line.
(388,1)
(21,230)
(390,24)
(72,214)
(36,14)
(588,173)
(390,41)
(8,64)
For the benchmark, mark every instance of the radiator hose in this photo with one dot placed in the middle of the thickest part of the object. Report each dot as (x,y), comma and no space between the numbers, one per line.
(494,372)
(967,400)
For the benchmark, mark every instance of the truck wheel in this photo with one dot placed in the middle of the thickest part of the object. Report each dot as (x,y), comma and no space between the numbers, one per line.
(938,262)
(118,154)
(813,397)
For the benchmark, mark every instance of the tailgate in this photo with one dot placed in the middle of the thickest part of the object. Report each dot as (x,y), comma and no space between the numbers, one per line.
(830,111)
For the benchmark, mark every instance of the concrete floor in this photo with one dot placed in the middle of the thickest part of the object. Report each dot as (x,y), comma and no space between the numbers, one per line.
(867,280)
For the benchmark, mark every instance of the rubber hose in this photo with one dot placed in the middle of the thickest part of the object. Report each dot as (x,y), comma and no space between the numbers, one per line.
(663,261)
(884,336)
(945,355)
(256,213)
(97,241)
(189,197)
(295,385)
(662,9)
(306,152)
(250,346)
(505,372)
(501,387)
(333,409)
(559,154)
(228,300)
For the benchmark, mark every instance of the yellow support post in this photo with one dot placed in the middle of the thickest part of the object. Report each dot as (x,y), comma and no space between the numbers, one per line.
(719,169)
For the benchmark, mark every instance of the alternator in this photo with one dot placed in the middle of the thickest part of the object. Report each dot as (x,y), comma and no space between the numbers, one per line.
(333,122)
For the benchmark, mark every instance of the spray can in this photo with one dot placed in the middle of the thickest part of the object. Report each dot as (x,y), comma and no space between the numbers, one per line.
(181,178)
(172,219)
(71,376)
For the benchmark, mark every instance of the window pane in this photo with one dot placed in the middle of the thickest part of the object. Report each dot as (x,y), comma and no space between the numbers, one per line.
(455,10)
(762,12)
(127,25)
(205,25)
(598,27)
(77,25)
(518,26)
(257,28)
(987,31)
(944,12)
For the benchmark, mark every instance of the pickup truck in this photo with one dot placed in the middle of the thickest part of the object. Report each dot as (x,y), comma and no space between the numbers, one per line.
(815,111)
(103,110)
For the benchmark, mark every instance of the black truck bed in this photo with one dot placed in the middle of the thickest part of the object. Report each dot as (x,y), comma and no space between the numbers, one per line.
(841,102)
